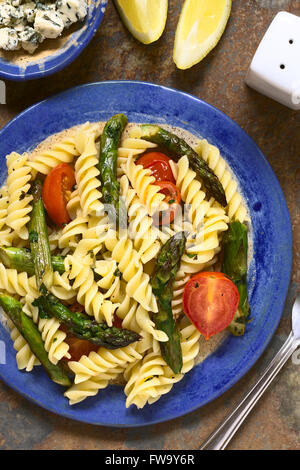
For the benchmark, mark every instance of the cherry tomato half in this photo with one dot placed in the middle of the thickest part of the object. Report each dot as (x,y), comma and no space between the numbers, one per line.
(79,347)
(77,307)
(57,184)
(159,165)
(117,322)
(173,198)
(210,300)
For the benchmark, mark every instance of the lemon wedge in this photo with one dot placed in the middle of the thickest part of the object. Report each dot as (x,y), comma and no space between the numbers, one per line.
(145,19)
(200,27)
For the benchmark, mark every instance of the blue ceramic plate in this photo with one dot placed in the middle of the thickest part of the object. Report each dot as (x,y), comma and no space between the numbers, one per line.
(269,271)
(61,57)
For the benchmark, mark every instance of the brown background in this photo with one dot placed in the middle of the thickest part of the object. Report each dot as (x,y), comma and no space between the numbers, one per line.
(219,79)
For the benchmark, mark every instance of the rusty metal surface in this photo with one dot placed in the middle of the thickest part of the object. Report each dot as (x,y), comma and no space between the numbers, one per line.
(219,79)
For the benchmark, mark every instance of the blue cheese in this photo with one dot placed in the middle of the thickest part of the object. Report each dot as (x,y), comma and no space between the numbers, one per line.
(9,39)
(26,23)
(71,11)
(7,14)
(30,39)
(48,23)
(16,3)
(29,11)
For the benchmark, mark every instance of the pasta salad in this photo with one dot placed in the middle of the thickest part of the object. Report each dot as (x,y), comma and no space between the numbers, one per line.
(120,246)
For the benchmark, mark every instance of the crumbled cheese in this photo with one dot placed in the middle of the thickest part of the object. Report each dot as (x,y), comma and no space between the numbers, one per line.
(48,23)
(16,3)
(45,6)
(71,11)
(20,26)
(29,11)
(7,14)
(9,39)
(18,14)
(30,39)
(26,23)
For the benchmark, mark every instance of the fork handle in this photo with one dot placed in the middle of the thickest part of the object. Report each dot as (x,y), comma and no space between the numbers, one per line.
(220,438)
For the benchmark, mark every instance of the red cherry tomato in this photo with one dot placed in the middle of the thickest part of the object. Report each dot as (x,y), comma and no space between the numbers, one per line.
(210,300)
(79,347)
(117,322)
(159,165)
(57,184)
(173,198)
(77,307)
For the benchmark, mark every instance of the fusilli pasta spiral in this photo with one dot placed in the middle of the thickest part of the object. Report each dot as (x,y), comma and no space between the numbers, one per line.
(142,182)
(211,154)
(87,174)
(17,283)
(26,360)
(88,293)
(150,378)
(79,392)
(19,176)
(145,237)
(61,152)
(102,361)
(6,234)
(131,146)
(53,337)
(138,283)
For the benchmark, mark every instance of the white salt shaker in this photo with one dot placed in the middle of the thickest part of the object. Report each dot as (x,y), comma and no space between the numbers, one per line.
(275,68)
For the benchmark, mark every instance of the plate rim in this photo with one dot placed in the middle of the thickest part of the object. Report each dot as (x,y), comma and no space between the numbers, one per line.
(286,281)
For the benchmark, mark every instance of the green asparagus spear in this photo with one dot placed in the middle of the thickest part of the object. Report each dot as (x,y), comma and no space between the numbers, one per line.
(81,326)
(21,260)
(167,265)
(107,166)
(177,148)
(30,332)
(235,266)
(38,238)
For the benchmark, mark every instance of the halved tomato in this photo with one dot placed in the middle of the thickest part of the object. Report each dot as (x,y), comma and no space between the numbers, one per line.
(210,300)
(58,183)
(77,307)
(173,198)
(117,322)
(159,165)
(79,347)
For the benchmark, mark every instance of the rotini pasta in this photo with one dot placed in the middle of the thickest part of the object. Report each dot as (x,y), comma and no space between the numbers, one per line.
(138,283)
(53,337)
(92,239)
(61,152)
(26,360)
(73,205)
(102,361)
(211,154)
(145,237)
(54,340)
(6,234)
(87,174)
(150,378)
(88,293)
(131,146)
(79,392)
(19,176)
(73,232)
(17,283)
(142,182)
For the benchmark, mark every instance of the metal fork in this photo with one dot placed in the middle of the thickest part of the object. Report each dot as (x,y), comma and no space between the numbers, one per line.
(222,435)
